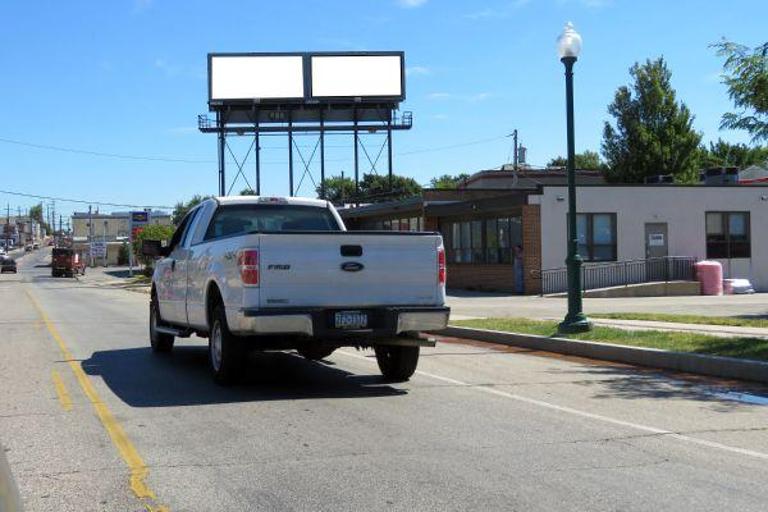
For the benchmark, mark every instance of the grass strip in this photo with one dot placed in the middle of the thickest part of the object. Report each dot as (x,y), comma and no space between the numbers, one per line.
(741,347)
(734,321)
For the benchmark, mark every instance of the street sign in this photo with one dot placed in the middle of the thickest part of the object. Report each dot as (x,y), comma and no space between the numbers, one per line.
(98,249)
(139,219)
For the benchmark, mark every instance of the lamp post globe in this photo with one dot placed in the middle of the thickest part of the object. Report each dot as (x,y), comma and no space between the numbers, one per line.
(568,49)
(569,42)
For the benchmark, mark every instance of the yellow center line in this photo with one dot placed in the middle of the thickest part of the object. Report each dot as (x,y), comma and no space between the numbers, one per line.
(61,391)
(128,452)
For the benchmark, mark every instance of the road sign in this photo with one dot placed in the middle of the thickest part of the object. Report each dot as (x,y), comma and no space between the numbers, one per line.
(98,249)
(139,219)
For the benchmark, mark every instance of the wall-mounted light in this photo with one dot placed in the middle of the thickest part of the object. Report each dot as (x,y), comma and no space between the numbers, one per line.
(560,199)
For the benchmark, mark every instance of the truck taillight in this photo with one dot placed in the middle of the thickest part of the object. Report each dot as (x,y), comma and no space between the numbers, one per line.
(248,263)
(441,265)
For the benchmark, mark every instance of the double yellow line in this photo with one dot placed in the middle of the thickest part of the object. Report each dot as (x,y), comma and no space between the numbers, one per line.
(138,469)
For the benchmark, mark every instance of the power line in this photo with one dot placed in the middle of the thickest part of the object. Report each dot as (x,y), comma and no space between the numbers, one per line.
(149,158)
(453,146)
(83,201)
(102,154)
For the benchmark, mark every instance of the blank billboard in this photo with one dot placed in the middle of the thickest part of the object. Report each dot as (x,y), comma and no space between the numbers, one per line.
(357,76)
(248,77)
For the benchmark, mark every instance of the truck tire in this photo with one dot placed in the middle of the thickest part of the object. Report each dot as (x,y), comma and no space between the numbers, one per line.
(397,363)
(225,352)
(160,341)
(315,352)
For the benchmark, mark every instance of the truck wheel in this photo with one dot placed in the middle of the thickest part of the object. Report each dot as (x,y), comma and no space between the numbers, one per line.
(225,354)
(160,341)
(397,363)
(315,352)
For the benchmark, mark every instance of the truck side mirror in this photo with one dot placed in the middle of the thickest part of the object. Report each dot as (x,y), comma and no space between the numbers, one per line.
(153,249)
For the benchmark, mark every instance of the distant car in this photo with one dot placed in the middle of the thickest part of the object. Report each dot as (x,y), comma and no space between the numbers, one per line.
(27,248)
(35,246)
(7,265)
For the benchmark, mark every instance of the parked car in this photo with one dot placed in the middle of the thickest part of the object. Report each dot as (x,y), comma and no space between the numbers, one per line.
(35,246)
(66,262)
(7,264)
(284,273)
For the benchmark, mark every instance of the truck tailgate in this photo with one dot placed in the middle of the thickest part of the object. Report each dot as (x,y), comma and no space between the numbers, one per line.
(308,270)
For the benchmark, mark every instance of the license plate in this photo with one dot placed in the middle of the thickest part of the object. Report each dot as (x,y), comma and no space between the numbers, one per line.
(351,320)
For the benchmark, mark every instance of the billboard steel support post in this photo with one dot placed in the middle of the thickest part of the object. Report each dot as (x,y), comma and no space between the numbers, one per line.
(222,156)
(257,143)
(389,150)
(357,162)
(290,154)
(322,155)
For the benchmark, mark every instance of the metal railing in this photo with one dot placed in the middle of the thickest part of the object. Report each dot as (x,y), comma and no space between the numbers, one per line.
(620,273)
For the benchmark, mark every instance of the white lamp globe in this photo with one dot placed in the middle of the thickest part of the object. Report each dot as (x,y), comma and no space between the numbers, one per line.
(569,42)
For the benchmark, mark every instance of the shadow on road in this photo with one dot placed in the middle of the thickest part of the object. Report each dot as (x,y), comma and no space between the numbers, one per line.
(637,383)
(143,379)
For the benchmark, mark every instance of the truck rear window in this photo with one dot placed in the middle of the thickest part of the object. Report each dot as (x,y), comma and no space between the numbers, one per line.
(231,220)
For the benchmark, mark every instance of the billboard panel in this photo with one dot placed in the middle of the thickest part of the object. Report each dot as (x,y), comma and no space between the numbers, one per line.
(357,76)
(248,77)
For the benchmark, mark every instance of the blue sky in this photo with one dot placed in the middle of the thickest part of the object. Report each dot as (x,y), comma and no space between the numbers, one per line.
(128,77)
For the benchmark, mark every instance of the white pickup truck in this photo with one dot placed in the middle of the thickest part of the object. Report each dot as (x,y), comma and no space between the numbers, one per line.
(267,273)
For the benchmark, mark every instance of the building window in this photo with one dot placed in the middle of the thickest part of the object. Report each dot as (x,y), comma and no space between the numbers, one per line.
(483,240)
(398,224)
(728,235)
(596,234)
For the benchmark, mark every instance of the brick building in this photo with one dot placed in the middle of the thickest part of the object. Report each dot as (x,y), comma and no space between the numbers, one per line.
(503,227)
(489,226)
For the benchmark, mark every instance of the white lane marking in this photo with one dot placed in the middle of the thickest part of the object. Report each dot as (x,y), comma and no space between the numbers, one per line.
(583,414)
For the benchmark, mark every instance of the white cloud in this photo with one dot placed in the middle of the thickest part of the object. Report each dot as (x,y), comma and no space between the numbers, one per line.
(417,70)
(439,95)
(142,5)
(479,96)
(590,4)
(410,4)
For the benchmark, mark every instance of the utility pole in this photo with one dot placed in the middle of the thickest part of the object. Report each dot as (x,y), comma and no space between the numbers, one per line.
(90,233)
(514,158)
(7,225)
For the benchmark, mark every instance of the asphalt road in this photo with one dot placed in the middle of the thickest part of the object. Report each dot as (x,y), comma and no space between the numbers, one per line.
(91,420)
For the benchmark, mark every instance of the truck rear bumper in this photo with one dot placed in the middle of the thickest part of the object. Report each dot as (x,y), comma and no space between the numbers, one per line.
(383,322)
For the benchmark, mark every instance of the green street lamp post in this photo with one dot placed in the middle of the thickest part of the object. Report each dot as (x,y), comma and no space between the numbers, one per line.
(568,48)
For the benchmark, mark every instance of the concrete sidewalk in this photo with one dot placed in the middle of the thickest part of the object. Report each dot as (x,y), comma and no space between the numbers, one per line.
(477,304)
(469,305)
(113,277)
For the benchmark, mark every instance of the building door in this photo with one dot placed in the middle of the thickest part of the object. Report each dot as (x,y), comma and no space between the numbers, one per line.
(656,240)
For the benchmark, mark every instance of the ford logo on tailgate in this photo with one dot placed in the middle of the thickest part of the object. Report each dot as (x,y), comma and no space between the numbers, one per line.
(352,266)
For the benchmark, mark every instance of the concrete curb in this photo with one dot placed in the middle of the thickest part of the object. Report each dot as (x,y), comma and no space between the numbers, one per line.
(715,366)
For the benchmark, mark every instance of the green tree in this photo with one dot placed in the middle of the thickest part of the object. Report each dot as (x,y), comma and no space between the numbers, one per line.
(338,189)
(725,154)
(247,192)
(653,133)
(181,208)
(447,181)
(150,232)
(36,213)
(375,188)
(746,77)
(589,160)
